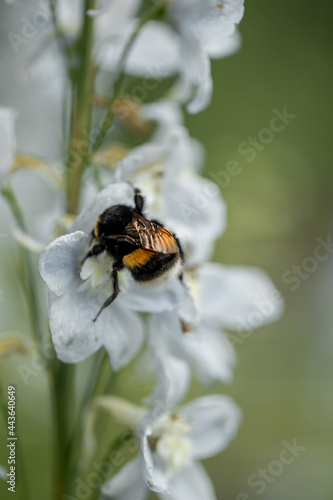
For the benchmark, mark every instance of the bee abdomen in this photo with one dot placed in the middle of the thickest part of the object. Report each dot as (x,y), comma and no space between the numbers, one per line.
(155,267)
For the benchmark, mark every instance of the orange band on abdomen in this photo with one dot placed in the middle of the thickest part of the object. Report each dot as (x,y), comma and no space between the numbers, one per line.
(139,257)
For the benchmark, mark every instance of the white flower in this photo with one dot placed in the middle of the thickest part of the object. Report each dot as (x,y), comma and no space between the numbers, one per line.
(199,30)
(46,64)
(166,170)
(7,140)
(76,294)
(226,298)
(171,445)
(206,30)
(37,195)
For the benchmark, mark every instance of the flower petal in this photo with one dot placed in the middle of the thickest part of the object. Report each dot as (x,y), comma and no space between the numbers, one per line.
(158,59)
(127,484)
(114,14)
(173,375)
(137,159)
(166,113)
(191,483)
(76,336)
(194,204)
(155,470)
(149,60)
(124,412)
(218,47)
(208,20)
(167,296)
(210,354)
(114,194)
(124,334)
(214,420)
(58,261)
(237,297)
(196,73)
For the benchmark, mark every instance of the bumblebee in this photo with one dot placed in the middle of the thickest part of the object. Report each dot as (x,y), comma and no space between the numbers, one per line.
(145,247)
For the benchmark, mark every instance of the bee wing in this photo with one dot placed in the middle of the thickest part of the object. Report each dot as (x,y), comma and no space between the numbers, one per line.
(125,237)
(152,236)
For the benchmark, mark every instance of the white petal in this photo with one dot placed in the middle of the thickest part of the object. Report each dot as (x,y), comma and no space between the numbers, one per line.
(42,203)
(7,140)
(238,298)
(154,54)
(124,336)
(113,194)
(124,412)
(208,19)
(173,375)
(208,351)
(196,72)
(137,159)
(155,470)
(196,203)
(181,153)
(211,355)
(69,15)
(203,92)
(168,114)
(45,67)
(214,421)
(58,263)
(167,296)
(196,250)
(223,47)
(114,13)
(76,336)
(127,484)
(191,483)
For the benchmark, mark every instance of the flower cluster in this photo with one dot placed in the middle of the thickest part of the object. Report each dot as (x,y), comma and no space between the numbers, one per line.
(183,319)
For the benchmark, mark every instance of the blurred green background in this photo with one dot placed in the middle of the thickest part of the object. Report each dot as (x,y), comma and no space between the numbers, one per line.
(278,206)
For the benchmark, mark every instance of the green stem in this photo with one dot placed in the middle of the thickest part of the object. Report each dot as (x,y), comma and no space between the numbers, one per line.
(79,144)
(9,194)
(64,407)
(30,287)
(107,120)
(116,445)
(100,375)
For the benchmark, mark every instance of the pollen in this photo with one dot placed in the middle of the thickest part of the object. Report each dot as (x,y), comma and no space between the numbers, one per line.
(185,327)
(171,441)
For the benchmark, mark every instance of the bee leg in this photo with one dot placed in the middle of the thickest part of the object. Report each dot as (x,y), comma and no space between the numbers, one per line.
(114,275)
(138,200)
(96,250)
